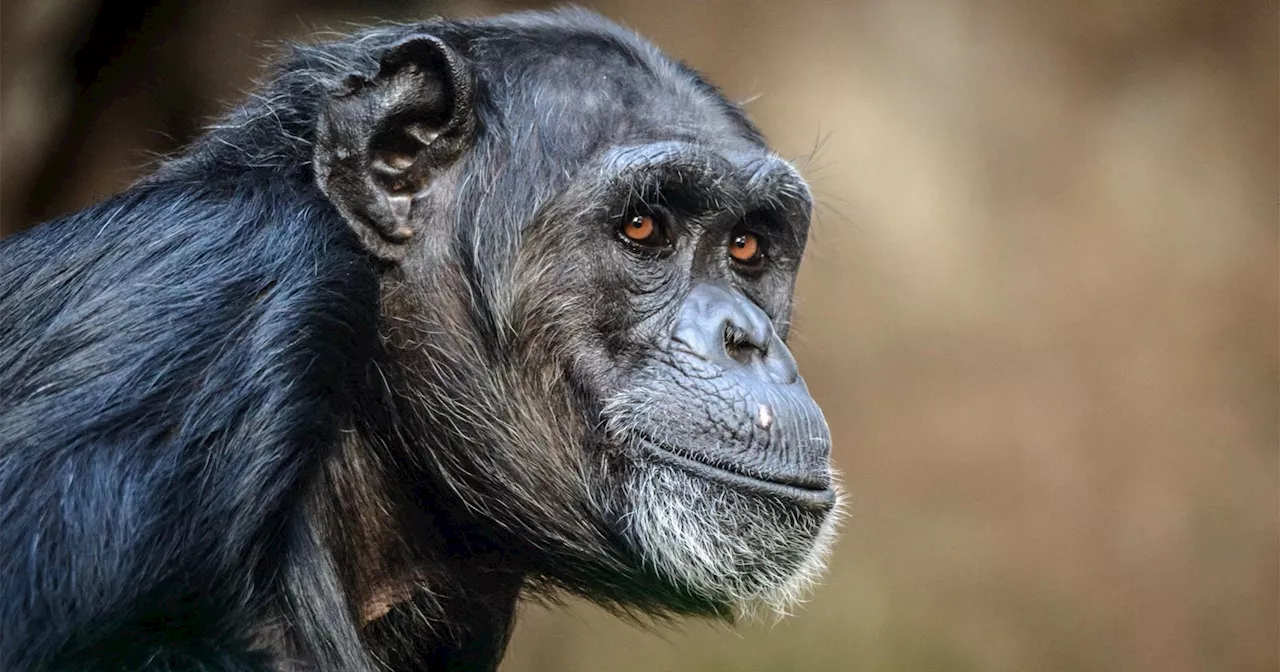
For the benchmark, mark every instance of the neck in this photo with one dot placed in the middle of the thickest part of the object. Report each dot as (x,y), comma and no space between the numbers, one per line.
(473,636)
(430,591)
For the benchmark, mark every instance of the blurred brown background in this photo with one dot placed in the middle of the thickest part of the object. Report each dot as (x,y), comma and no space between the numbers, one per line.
(1040,308)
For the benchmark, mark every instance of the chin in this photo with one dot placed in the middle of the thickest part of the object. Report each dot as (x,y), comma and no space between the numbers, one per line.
(742,545)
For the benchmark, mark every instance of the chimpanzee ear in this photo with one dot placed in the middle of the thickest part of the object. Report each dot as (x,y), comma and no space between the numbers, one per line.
(381,139)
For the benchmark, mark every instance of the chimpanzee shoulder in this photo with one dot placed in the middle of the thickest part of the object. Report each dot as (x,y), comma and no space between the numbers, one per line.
(166,357)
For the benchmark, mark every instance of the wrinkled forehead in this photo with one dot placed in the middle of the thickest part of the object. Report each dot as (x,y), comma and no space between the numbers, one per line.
(578,95)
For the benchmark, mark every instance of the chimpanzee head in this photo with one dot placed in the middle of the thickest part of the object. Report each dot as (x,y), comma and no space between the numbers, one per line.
(589,257)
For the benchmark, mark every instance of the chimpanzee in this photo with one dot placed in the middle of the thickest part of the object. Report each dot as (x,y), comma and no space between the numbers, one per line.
(446,313)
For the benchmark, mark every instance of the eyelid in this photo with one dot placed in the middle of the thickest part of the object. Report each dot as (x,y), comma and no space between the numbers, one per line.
(785,241)
(660,213)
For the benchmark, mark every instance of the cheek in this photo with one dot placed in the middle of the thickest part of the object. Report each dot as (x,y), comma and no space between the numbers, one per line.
(574,326)
(774,293)
(633,310)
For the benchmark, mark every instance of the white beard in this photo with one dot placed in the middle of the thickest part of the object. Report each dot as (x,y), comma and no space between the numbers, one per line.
(730,547)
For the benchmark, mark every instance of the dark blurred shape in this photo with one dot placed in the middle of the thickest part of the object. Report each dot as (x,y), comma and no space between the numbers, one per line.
(109,58)
(126,78)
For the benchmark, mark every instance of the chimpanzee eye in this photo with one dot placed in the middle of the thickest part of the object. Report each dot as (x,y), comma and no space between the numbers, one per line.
(747,248)
(645,231)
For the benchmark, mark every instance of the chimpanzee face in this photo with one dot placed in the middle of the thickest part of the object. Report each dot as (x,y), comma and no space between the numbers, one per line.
(592,257)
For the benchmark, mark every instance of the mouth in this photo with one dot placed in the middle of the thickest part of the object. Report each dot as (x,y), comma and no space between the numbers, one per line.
(807,491)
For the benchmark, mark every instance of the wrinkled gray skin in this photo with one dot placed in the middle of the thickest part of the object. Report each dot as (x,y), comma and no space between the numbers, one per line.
(756,419)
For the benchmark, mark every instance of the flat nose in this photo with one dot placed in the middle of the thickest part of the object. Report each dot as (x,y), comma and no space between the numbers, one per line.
(725,328)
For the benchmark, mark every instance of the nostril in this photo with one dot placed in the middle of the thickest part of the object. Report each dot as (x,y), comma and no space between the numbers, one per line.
(739,346)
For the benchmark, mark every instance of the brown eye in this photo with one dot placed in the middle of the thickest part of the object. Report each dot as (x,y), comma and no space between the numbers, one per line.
(645,231)
(639,228)
(746,248)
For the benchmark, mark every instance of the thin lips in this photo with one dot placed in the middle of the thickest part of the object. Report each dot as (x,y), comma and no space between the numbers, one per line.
(819,500)
(810,482)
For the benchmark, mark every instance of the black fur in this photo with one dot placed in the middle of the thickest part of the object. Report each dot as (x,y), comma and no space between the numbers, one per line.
(174,364)
(252,419)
